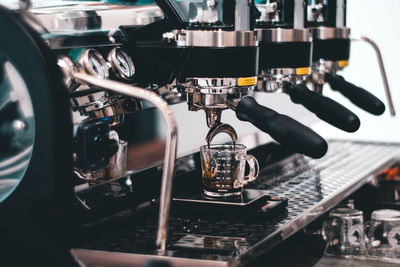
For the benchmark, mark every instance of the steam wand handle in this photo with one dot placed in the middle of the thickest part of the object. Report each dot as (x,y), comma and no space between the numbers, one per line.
(323,107)
(282,128)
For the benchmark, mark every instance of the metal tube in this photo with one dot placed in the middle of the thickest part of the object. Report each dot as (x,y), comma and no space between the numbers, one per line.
(382,69)
(170,146)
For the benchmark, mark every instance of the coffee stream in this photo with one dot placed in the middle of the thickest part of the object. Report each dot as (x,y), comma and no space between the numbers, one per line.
(221,128)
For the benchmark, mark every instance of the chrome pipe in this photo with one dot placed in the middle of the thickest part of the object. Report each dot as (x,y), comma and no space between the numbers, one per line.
(381,67)
(170,146)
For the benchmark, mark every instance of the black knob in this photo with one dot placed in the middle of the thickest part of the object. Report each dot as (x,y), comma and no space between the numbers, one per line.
(282,128)
(359,96)
(325,108)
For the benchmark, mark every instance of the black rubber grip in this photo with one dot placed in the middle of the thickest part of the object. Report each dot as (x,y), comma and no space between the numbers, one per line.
(325,108)
(282,128)
(359,96)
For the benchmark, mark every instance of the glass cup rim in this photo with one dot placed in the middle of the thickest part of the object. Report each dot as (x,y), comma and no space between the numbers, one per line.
(224,147)
(384,215)
(345,213)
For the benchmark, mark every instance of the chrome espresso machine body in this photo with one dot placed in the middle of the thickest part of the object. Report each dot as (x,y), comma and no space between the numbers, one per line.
(92,68)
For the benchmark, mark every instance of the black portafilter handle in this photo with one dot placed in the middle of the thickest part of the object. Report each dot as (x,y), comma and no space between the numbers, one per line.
(323,107)
(282,128)
(359,96)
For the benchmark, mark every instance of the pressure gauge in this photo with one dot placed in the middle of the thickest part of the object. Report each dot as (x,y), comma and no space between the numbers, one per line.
(121,64)
(93,63)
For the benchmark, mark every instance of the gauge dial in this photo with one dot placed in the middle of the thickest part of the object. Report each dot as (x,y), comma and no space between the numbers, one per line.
(121,64)
(94,63)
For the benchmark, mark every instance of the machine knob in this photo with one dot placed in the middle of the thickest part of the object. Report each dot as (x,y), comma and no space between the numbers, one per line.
(282,128)
(323,107)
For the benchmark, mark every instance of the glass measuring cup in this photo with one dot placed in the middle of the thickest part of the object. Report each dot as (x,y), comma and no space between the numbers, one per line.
(223,169)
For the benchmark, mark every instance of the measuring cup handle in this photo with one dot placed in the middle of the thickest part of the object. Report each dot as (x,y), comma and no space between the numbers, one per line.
(254,168)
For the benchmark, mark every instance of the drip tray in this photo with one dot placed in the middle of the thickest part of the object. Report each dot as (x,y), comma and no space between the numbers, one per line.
(312,187)
(212,244)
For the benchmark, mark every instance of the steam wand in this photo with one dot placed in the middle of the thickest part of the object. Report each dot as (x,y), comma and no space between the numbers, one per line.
(171,143)
(381,67)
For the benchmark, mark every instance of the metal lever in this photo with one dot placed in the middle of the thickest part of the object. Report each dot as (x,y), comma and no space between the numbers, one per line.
(170,146)
(381,67)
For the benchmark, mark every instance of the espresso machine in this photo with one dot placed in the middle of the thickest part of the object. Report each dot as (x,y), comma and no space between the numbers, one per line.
(326,20)
(69,196)
(209,52)
(286,51)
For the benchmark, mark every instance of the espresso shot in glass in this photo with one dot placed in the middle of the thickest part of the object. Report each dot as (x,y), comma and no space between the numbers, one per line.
(223,170)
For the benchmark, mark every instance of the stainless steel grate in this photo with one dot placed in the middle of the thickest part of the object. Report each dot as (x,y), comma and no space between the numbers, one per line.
(312,187)
(326,182)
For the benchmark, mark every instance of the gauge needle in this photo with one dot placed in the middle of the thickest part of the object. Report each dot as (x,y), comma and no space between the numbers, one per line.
(93,63)
(122,65)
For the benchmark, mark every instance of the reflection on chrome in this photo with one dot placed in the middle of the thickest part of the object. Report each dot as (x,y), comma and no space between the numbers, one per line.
(17,129)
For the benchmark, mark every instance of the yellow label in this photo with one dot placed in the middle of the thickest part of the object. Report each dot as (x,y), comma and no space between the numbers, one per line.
(247,81)
(343,63)
(303,71)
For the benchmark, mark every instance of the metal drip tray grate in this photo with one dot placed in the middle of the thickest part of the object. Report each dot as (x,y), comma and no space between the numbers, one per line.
(312,187)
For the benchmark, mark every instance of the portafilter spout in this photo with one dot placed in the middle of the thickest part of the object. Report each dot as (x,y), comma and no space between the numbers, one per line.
(171,143)
(221,128)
